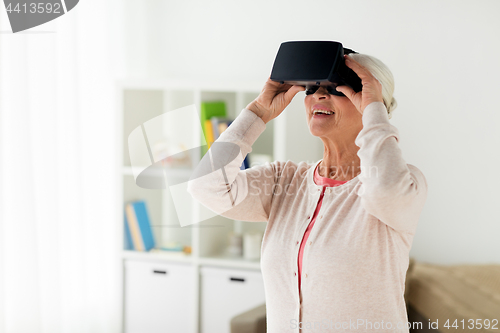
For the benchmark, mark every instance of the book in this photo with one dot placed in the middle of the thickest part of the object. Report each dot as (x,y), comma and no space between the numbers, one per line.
(208,110)
(209,134)
(127,239)
(222,127)
(138,230)
(222,123)
(215,127)
(246,163)
(219,125)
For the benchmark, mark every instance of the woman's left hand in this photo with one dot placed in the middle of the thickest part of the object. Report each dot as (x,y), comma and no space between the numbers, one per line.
(372,88)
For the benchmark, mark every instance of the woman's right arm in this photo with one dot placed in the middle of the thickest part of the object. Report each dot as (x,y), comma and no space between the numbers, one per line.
(218,182)
(220,185)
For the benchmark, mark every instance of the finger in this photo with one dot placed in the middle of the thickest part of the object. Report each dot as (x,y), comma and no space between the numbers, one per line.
(297,88)
(357,68)
(273,87)
(277,83)
(292,92)
(346,91)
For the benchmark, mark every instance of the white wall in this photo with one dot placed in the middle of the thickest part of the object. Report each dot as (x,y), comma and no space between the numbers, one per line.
(444,57)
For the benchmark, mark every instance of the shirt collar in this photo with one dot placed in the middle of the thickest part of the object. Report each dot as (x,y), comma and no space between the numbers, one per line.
(314,188)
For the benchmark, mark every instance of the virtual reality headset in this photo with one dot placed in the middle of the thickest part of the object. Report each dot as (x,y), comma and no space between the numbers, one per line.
(313,64)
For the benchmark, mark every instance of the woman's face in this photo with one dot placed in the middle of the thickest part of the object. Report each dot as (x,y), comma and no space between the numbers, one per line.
(345,121)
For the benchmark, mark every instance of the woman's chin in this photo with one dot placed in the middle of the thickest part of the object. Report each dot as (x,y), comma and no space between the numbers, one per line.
(320,130)
(321,134)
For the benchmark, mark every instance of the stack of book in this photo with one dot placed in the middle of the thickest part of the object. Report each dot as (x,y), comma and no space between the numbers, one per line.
(214,122)
(138,233)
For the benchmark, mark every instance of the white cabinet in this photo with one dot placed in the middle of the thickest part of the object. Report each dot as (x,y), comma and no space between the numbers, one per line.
(159,297)
(226,293)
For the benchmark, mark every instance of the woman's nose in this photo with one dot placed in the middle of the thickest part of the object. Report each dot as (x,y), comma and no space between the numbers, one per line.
(322,93)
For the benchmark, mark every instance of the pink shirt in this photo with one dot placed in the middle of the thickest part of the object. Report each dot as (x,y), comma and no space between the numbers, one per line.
(325,181)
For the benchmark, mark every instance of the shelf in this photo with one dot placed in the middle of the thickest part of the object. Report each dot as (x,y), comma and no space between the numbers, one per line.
(233,262)
(181,173)
(221,261)
(158,255)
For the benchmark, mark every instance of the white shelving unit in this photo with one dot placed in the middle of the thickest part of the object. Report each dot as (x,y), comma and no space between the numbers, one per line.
(140,100)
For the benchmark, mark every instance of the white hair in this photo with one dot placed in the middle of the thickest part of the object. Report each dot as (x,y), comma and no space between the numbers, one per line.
(383,74)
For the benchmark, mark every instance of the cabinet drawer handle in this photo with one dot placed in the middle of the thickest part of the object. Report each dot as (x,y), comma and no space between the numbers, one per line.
(159,272)
(237,279)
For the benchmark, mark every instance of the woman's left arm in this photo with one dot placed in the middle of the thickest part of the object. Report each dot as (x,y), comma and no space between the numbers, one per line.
(392,190)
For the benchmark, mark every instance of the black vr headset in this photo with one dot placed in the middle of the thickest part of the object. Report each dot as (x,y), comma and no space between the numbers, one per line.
(313,64)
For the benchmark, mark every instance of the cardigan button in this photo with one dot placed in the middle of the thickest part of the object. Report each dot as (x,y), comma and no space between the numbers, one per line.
(310,243)
(294,273)
(306,274)
(297,243)
(309,217)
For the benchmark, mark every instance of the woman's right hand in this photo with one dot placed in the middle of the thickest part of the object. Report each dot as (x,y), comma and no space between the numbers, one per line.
(273,99)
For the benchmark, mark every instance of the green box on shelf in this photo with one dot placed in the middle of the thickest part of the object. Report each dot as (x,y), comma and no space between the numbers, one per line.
(208,110)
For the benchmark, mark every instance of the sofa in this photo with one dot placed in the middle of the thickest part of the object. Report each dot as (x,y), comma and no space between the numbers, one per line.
(435,295)
(448,294)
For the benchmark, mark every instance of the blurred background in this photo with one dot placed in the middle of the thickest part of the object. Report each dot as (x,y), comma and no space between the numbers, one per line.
(73,89)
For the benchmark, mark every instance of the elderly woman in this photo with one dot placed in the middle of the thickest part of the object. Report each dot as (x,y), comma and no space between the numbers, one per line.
(336,247)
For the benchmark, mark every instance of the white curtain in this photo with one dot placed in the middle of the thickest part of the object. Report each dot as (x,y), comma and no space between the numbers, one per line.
(58,199)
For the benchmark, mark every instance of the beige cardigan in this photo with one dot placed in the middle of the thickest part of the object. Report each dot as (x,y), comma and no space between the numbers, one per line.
(357,254)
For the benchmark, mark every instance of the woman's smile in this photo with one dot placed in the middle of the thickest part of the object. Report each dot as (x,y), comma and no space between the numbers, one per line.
(322,116)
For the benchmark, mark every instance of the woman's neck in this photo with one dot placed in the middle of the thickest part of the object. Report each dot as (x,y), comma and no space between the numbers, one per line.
(343,167)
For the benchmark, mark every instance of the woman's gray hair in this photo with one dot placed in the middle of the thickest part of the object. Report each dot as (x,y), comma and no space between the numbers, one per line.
(383,74)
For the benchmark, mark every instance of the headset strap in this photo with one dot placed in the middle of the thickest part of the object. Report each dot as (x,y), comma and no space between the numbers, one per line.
(347,51)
